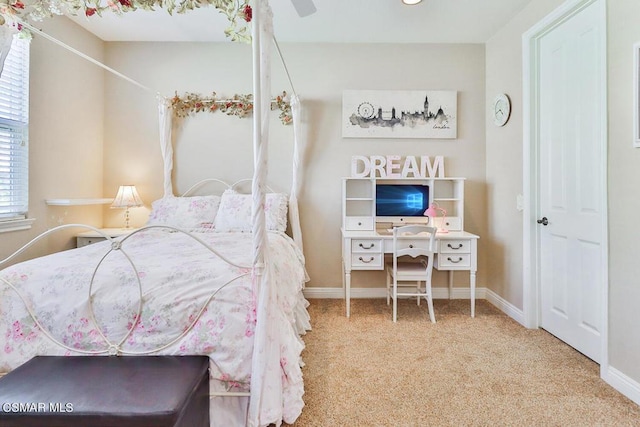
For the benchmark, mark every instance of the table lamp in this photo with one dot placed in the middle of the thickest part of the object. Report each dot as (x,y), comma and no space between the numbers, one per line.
(432,212)
(127,197)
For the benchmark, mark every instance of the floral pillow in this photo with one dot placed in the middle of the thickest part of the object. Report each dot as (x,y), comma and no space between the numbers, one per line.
(196,213)
(234,213)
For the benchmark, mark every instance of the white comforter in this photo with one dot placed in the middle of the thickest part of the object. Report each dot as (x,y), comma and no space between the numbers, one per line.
(178,276)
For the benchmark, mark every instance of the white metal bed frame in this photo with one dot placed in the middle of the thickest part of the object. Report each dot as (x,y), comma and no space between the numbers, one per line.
(117,245)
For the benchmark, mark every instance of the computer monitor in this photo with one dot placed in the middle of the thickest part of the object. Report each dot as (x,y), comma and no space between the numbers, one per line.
(402,203)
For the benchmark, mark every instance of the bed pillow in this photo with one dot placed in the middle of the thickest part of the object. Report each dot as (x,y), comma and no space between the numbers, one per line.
(234,213)
(195,213)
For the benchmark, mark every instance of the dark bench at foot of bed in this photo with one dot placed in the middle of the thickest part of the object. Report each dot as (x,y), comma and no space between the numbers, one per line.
(101,391)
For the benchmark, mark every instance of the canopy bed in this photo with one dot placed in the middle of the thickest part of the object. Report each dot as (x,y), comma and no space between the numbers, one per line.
(225,263)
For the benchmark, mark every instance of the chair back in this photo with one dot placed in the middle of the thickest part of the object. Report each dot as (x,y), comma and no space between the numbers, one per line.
(413,241)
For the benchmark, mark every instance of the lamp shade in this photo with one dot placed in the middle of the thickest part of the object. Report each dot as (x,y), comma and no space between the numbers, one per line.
(127,197)
(432,212)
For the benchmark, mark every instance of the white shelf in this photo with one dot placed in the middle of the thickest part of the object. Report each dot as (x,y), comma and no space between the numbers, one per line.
(77,202)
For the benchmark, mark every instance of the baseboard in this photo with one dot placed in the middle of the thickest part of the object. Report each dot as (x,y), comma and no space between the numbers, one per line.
(616,379)
(621,382)
(505,306)
(438,293)
(338,293)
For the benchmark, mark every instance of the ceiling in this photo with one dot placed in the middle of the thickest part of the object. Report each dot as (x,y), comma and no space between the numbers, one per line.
(336,21)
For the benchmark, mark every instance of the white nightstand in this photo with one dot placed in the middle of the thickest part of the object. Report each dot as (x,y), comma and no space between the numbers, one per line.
(89,237)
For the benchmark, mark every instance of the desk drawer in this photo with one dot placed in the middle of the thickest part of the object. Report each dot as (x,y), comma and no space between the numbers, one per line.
(444,261)
(366,246)
(412,243)
(84,241)
(455,246)
(358,223)
(364,261)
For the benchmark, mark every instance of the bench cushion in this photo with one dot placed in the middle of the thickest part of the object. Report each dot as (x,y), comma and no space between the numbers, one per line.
(100,391)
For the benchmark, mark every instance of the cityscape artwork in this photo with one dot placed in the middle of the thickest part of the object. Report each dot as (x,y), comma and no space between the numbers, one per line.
(399,114)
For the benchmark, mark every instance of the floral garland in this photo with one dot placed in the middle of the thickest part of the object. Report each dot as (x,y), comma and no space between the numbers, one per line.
(238,12)
(238,105)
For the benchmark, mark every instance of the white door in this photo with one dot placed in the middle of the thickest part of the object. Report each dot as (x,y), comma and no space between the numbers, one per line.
(571,192)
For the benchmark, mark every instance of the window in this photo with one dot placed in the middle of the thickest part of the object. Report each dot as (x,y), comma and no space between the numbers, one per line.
(14,147)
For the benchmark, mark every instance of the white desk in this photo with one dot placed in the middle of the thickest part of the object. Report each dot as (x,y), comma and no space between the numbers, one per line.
(365,250)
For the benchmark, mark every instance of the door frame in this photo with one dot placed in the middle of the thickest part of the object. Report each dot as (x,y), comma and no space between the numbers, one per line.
(531,162)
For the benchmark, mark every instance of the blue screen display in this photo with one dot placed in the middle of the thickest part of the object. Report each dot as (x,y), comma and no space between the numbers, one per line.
(401,200)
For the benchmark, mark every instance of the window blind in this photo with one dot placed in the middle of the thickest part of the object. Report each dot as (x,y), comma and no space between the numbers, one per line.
(14,126)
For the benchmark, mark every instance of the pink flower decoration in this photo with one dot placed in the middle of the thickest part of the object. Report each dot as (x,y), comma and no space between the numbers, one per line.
(248,13)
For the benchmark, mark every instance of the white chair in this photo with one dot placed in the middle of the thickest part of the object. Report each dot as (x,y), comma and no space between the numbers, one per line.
(417,242)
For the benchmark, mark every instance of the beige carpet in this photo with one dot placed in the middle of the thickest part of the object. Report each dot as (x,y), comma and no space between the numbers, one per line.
(487,371)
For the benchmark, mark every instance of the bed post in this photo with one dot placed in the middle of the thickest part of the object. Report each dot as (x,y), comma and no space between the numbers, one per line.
(166,146)
(294,213)
(266,379)
(260,150)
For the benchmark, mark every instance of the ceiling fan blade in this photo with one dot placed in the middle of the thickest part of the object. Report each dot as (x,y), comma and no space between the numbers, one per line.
(304,7)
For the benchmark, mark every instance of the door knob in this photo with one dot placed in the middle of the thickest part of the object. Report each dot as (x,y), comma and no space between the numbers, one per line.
(543,221)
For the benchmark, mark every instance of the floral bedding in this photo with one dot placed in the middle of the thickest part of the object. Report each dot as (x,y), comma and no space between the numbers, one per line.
(177,276)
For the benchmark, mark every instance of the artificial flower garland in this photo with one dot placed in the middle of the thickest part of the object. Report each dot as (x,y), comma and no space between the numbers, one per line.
(238,12)
(238,105)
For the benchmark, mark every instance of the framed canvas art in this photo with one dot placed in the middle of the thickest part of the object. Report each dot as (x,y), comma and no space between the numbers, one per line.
(399,114)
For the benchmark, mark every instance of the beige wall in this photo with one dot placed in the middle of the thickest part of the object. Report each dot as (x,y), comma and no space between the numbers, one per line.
(65,135)
(220,146)
(504,176)
(624,178)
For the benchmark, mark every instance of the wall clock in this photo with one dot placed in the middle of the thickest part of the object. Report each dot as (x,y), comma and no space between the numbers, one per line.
(501,109)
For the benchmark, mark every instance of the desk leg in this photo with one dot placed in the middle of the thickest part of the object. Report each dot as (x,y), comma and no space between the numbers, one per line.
(472,280)
(347,291)
(450,284)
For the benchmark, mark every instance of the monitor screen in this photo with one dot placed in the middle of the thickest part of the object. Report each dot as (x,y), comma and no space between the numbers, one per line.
(399,200)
